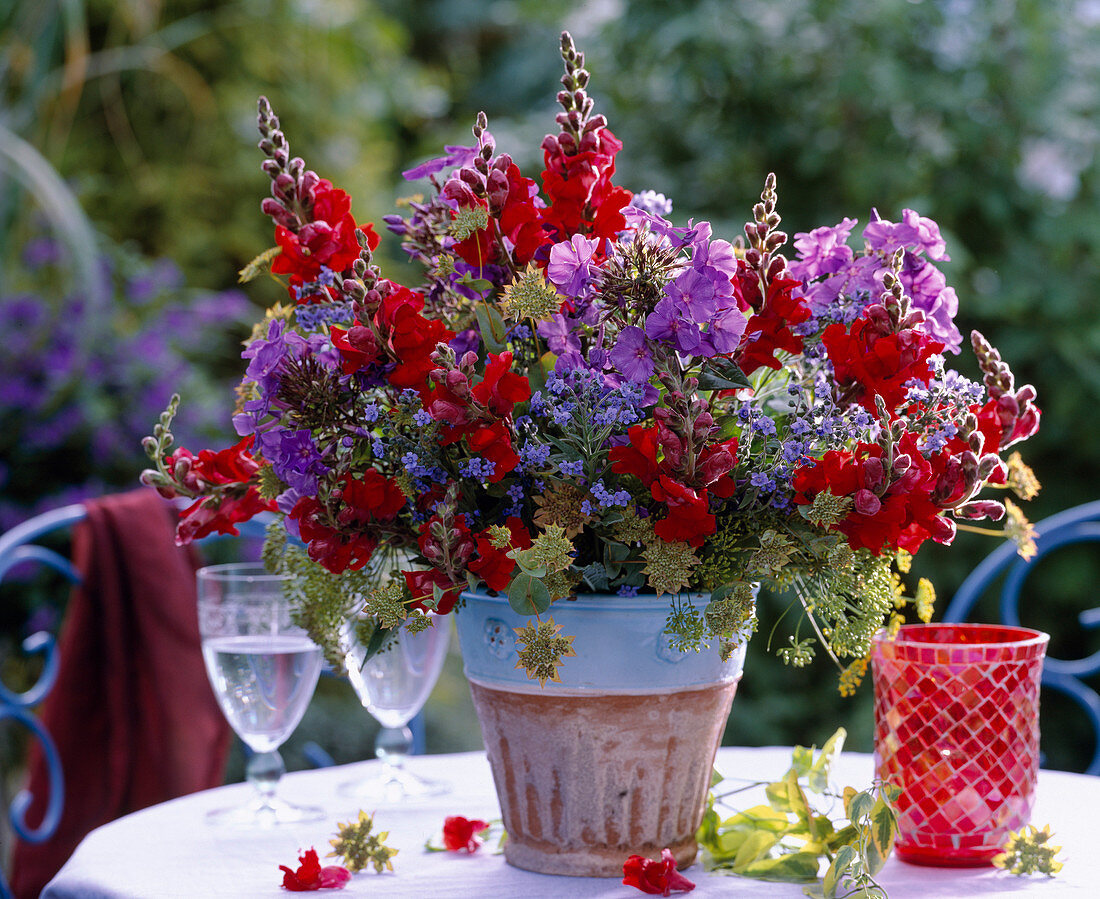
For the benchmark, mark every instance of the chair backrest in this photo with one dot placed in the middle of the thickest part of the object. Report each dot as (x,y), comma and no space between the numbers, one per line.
(1080,524)
(19,545)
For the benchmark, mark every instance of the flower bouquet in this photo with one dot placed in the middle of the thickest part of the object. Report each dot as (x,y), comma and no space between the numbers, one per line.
(583,397)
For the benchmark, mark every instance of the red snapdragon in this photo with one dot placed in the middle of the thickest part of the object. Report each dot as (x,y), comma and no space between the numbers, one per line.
(220,512)
(493,565)
(867,362)
(464,834)
(655,877)
(311,876)
(768,329)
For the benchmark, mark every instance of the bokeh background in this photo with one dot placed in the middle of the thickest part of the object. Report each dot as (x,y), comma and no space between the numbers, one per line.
(130,189)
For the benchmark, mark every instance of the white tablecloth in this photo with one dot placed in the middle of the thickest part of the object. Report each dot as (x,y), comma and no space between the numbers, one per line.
(170,851)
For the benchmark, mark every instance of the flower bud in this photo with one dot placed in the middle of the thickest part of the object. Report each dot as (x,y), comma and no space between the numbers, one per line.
(458,384)
(354,289)
(497,190)
(979,509)
(182,469)
(988,465)
(363,339)
(867,503)
(874,475)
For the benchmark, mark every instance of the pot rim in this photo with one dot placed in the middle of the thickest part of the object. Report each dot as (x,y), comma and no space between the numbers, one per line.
(594,600)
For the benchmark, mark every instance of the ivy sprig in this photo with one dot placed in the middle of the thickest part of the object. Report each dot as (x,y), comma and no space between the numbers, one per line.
(788,839)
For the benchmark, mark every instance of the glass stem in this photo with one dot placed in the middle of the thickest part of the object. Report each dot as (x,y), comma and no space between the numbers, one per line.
(391,746)
(264,771)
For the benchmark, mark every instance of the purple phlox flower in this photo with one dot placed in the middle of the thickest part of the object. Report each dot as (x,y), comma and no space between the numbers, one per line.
(321,348)
(294,457)
(641,220)
(927,287)
(929,240)
(886,237)
(823,251)
(285,502)
(718,261)
(652,202)
(454,157)
(693,293)
(571,269)
(561,339)
(724,332)
(465,341)
(914,232)
(266,355)
(631,356)
(627,592)
(422,418)
(696,235)
(665,323)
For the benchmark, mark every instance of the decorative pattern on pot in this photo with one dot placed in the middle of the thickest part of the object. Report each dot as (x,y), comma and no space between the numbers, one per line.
(615,759)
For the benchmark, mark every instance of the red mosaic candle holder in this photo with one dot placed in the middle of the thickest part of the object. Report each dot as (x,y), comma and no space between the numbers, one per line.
(957,729)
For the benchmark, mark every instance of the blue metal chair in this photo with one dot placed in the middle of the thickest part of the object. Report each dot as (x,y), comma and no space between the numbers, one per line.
(1080,524)
(18,546)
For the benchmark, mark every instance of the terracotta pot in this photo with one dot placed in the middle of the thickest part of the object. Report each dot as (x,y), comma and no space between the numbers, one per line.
(616,759)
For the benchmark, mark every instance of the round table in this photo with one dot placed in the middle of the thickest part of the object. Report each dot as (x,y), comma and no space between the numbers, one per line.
(169,850)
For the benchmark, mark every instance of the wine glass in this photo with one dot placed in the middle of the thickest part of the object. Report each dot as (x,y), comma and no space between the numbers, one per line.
(393,686)
(263,670)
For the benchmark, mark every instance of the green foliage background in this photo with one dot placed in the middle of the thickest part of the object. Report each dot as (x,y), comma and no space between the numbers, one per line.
(982,114)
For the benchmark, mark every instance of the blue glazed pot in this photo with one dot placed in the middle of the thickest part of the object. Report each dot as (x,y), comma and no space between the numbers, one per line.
(616,759)
(620,644)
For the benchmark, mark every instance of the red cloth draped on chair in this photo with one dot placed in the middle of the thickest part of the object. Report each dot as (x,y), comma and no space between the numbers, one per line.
(132,712)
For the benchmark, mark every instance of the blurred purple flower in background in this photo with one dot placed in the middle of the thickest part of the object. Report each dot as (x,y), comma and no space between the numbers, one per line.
(73,409)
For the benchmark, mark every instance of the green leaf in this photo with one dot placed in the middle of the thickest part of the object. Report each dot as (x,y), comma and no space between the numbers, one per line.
(756,846)
(722,374)
(802,760)
(883,831)
(842,864)
(595,575)
(795,867)
(818,778)
(617,552)
(787,796)
(528,595)
(844,836)
(493,330)
(859,807)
